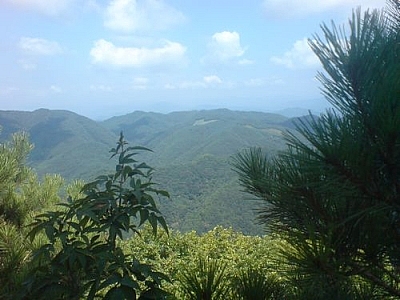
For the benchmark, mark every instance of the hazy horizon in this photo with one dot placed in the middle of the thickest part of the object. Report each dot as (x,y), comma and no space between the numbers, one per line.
(286,112)
(101,58)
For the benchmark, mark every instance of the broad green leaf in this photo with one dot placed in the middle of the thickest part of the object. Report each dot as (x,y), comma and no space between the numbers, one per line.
(144,215)
(129,282)
(111,280)
(120,293)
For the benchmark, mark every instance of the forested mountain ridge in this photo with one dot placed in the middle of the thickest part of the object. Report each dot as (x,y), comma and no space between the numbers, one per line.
(191,154)
(65,142)
(185,136)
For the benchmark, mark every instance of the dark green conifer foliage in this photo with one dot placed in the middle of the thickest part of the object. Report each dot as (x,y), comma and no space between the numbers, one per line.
(253,284)
(206,282)
(336,196)
(21,196)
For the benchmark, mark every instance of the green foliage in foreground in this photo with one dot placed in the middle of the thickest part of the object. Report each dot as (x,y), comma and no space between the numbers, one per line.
(335,198)
(21,197)
(80,249)
(253,284)
(206,282)
(212,263)
(82,258)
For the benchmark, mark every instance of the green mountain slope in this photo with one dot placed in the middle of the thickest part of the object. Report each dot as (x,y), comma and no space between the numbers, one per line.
(65,143)
(191,155)
(192,151)
(185,136)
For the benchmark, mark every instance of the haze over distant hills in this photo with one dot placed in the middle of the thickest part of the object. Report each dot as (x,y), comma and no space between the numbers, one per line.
(192,151)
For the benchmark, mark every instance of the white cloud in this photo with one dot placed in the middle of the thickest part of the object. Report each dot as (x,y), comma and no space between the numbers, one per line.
(225,46)
(212,79)
(300,56)
(39,46)
(290,8)
(47,7)
(107,53)
(133,15)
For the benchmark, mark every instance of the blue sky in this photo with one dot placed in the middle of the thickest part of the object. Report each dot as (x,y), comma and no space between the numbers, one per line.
(101,58)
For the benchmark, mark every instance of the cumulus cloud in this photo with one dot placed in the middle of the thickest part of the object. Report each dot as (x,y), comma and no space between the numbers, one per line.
(225,46)
(300,56)
(47,7)
(107,53)
(290,8)
(133,15)
(39,46)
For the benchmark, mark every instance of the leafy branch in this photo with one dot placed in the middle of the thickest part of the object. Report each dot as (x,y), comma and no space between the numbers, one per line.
(83,258)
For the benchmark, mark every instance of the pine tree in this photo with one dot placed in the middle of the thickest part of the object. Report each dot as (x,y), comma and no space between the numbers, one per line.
(21,197)
(334,194)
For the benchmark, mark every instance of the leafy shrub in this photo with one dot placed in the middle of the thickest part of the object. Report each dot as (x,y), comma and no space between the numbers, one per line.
(83,258)
(179,253)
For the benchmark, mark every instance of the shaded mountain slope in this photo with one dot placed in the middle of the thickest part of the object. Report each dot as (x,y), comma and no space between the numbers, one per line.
(65,143)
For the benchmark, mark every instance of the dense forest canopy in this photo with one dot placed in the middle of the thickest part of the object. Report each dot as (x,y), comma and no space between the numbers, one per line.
(191,155)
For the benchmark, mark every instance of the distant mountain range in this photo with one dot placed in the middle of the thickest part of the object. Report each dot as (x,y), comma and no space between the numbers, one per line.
(192,151)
